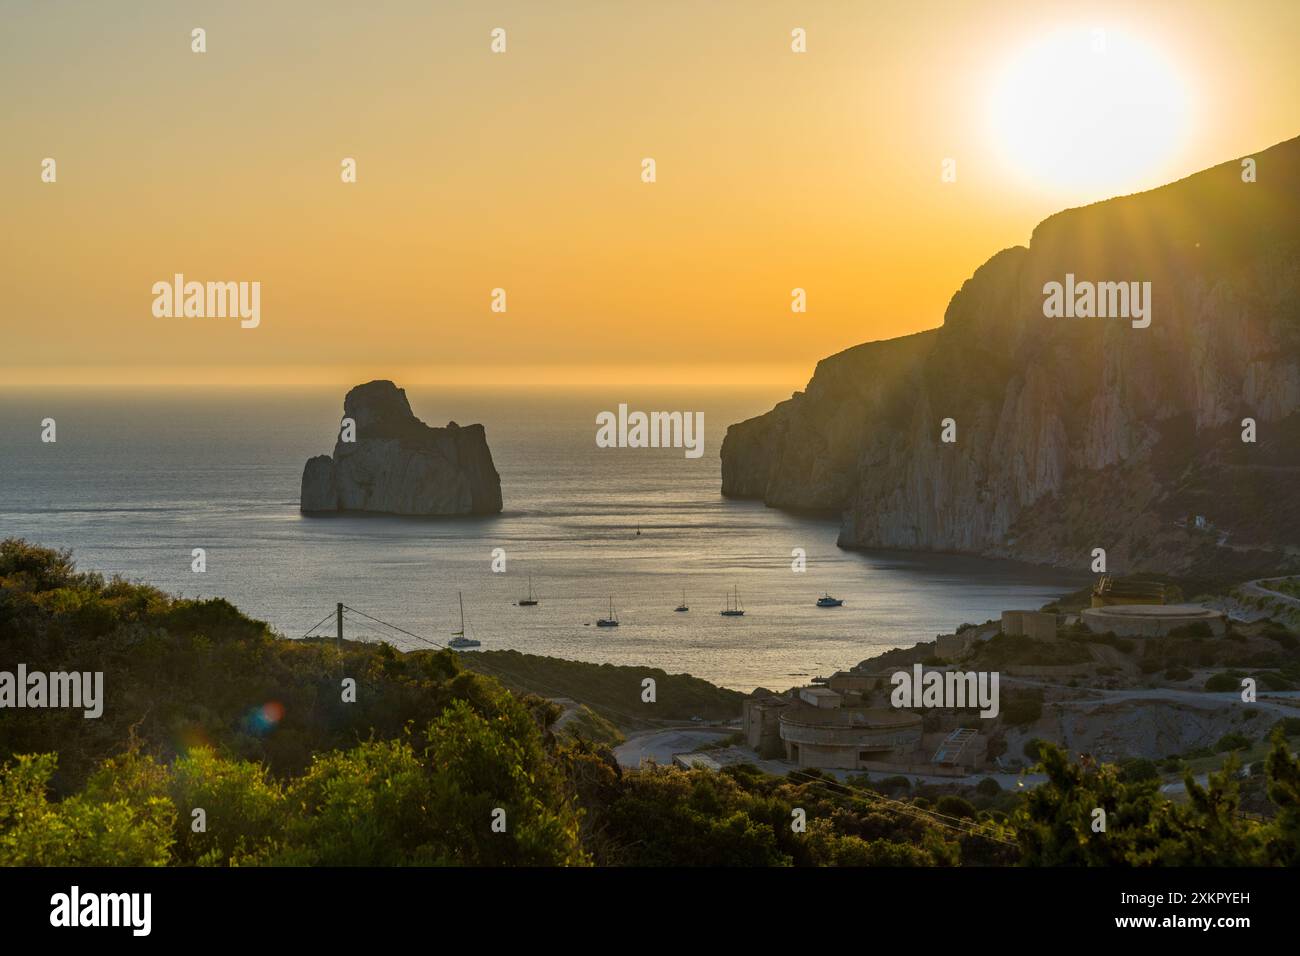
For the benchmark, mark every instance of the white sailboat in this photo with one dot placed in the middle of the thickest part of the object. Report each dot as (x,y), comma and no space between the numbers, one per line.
(529,601)
(612,620)
(459,639)
(733,608)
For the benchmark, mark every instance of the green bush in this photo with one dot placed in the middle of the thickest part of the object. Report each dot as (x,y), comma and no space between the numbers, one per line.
(1137,769)
(81,830)
(894,785)
(1289,726)
(1144,829)
(955,806)
(242,808)
(1225,681)
(1021,707)
(1232,741)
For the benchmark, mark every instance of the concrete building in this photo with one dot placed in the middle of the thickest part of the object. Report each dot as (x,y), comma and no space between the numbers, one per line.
(816,730)
(1036,624)
(822,698)
(848,682)
(761,726)
(819,727)
(952,646)
(693,761)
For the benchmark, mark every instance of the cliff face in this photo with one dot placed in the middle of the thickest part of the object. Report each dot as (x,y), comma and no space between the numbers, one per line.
(1072,433)
(399,465)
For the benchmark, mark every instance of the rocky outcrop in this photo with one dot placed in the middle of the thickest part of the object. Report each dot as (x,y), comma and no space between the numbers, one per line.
(399,465)
(1072,433)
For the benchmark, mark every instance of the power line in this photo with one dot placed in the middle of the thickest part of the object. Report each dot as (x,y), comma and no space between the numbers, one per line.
(496,669)
(909,809)
(395,627)
(317,624)
(899,806)
(362,627)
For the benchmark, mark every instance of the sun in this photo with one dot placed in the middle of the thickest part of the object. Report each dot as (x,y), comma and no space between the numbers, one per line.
(1089,111)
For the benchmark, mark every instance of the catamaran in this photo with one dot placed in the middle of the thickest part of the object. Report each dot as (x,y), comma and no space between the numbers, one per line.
(612,620)
(827,601)
(683,606)
(459,639)
(734,609)
(529,601)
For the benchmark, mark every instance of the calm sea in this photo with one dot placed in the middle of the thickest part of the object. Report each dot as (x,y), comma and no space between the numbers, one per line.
(140,477)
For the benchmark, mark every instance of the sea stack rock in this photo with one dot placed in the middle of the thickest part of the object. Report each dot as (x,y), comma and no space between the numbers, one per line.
(399,465)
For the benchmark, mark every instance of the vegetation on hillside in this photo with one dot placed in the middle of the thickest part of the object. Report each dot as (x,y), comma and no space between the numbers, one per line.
(222,744)
(614,692)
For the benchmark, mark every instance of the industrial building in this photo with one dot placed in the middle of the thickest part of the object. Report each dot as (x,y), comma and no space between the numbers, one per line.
(821,727)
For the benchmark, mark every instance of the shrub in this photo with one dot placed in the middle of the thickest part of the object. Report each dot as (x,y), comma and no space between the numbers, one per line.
(1139,768)
(89,829)
(1232,741)
(1290,726)
(1225,681)
(894,785)
(1272,681)
(955,806)
(242,807)
(1022,707)
(1288,641)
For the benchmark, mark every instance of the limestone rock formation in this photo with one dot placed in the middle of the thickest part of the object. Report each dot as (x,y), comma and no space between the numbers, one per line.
(1074,433)
(399,465)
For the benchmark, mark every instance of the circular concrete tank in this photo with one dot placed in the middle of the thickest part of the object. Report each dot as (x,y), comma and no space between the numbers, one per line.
(1151,620)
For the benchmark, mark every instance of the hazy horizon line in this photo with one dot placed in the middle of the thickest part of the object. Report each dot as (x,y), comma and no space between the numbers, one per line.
(562,376)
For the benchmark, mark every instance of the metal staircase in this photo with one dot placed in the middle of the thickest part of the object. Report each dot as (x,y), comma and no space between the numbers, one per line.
(951,749)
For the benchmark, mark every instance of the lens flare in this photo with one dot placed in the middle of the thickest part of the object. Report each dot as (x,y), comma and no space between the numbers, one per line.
(262,720)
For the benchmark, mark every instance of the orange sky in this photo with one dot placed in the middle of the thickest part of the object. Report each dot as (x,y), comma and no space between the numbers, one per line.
(522,171)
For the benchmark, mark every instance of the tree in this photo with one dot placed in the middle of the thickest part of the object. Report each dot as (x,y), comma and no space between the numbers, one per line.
(91,829)
(1283,772)
(1058,824)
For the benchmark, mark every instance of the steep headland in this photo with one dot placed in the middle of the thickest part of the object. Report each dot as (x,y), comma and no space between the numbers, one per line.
(396,464)
(1074,433)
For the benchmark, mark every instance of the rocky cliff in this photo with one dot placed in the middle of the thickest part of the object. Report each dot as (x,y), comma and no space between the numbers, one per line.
(1074,433)
(399,465)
